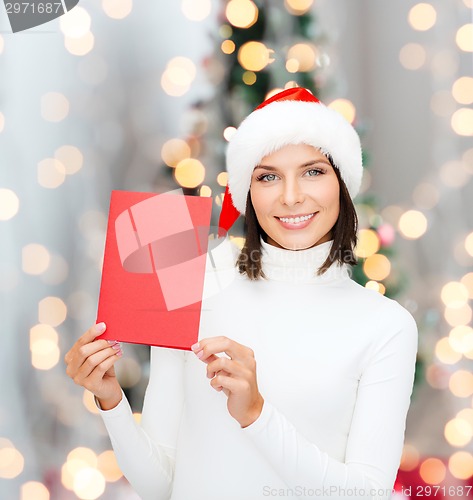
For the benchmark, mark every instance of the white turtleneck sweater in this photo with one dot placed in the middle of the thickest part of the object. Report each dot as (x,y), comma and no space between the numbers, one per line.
(335,366)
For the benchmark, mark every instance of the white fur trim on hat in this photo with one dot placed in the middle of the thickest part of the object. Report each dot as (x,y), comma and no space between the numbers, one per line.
(280,123)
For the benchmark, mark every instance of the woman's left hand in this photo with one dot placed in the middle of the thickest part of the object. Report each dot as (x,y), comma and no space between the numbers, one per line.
(235,376)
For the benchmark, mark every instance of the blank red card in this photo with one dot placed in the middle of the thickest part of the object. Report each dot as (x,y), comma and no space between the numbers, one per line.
(154,268)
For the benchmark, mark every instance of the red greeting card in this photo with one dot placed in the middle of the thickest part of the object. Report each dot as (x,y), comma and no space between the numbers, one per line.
(154,268)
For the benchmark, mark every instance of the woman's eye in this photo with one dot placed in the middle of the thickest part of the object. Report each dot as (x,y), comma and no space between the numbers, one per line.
(267,177)
(314,172)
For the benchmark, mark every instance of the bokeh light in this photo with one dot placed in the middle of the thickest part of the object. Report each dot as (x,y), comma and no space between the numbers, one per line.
(298,7)
(222,179)
(377,267)
(9,204)
(469,244)
(196,10)
(249,77)
(45,354)
(11,462)
(467,280)
(345,108)
(460,465)
(462,121)
(445,352)
(412,56)
(2,121)
(454,294)
(35,259)
(457,316)
(33,490)
(464,38)
(205,191)
(228,46)
(462,90)
(422,16)
(189,173)
(2,44)
(412,224)
(228,133)
(303,57)
(461,338)
(52,311)
(377,287)
(461,384)
(89,402)
(88,484)
(51,173)
(368,243)
(432,471)
(457,432)
(108,466)
(254,56)
(453,174)
(174,151)
(410,457)
(80,46)
(70,157)
(241,13)
(178,76)
(75,23)
(117,10)
(54,105)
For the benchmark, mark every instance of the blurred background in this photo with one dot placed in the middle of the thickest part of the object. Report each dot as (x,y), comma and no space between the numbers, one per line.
(143,96)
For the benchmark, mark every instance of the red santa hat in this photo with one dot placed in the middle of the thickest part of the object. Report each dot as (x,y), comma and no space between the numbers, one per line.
(293,116)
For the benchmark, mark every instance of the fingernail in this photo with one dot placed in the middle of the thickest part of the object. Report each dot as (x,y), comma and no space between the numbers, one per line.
(111,342)
(119,353)
(100,327)
(195,347)
(117,346)
(200,354)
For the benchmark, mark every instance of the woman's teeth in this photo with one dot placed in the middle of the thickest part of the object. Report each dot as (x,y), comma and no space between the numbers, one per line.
(296,220)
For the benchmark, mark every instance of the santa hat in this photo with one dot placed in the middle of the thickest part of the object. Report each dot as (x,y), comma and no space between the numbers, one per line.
(293,116)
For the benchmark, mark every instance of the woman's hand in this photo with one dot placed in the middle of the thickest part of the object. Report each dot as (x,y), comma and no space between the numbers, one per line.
(235,376)
(90,364)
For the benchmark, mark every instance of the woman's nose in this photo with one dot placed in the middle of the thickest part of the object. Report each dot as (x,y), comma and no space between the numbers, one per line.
(291,193)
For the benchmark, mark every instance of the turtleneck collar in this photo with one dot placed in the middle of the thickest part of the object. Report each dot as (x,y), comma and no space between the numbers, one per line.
(300,266)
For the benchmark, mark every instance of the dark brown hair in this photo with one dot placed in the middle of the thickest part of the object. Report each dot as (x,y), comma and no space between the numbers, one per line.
(344,235)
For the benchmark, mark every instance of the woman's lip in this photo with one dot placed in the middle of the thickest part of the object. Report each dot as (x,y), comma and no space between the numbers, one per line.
(294,216)
(299,225)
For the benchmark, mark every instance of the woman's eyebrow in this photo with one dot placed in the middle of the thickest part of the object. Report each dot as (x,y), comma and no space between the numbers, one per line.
(307,164)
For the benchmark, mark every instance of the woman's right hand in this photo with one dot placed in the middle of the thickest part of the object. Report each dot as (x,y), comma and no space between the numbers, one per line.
(90,364)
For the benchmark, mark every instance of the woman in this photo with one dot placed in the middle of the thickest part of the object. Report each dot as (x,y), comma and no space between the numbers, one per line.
(310,373)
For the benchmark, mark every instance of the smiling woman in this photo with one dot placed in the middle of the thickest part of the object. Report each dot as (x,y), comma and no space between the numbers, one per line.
(310,373)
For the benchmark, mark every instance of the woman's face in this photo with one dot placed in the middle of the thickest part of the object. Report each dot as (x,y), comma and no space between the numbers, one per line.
(295,194)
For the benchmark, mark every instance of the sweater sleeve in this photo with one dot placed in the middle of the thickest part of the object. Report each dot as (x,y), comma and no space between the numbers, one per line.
(376,436)
(146,452)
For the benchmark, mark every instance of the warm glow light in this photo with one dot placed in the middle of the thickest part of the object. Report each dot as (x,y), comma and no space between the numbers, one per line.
(345,108)
(89,484)
(462,90)
(249,77)
(178,76)
(70,157)
(464,38)
(445,353)
(222,179)
(461,384)
(377,287)
(254,56)
(228,133)
(75,23)
(43,332)
(377,267)
(422,16)
(458,432)
(11,462)
(305,57)
(228,46)
(467,280)
(44,354)
(453,174)
(426,195)
(436,376)
(35,259)
(368,243)
(462,121)
(89,402)
(9,204)
(461,338)
(107,465)
(412,56)
(412,224)
(51,173)
(205,191)
(80,46)
(174,151)
(54,106)
(52,311)
(410,458)
(460,465)
(454,294)
(196,10)
(83,454)
(238,240)
(137,417)
(241,13)
(456,316)
(469,244)
(272,92)
(298,7)
(34,490)
(117,10)
(432,471)
(189,173)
